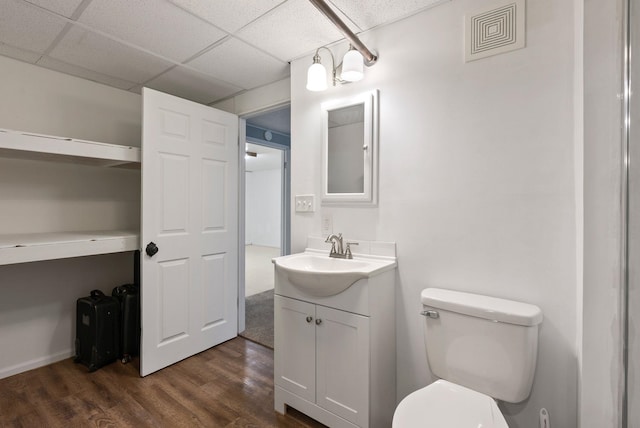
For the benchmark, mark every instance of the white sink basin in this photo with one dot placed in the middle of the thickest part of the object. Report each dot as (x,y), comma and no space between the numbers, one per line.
(320,275)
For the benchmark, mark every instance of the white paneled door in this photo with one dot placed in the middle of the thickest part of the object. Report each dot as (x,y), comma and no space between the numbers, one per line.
(189,229)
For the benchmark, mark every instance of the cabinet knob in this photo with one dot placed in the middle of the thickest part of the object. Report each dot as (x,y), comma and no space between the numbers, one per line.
(151,249)
(318,321)
(309,318)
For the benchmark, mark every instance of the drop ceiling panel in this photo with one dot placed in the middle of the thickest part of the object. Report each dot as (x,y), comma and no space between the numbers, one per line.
(240,64)
(155,25)
(25,26)
(242,43)
(17,53)
(226,14)
(74,70)
(192,85)
(61,7)
(291,30)
(370,13)
(102,55)
(276,120)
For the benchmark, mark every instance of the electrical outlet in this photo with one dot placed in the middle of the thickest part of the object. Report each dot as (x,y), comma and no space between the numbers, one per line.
(327,224)
(305,203)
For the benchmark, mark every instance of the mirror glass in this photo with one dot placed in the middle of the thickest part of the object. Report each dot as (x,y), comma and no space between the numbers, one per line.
(349,150)
(345,166)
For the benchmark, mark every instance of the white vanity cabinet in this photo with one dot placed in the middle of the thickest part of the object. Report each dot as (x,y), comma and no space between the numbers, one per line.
(342,364)
(324,358)
(335,356)
(295,346)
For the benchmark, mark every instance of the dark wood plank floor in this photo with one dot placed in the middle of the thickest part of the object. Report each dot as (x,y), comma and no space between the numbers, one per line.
(230,385)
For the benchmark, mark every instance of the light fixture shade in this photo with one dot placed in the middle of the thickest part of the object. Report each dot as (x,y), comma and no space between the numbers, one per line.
(352,66)
(316,77)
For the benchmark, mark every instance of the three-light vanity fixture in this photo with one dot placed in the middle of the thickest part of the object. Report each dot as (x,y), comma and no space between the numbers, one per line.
(351,69)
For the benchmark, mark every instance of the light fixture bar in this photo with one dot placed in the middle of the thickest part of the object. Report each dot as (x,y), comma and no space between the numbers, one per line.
(323,7)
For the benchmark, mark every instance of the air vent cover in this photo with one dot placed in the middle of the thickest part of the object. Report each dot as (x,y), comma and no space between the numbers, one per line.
(496,30)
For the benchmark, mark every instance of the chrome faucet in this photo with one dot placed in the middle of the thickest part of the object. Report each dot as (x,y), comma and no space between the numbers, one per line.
(334,239)
(337,251)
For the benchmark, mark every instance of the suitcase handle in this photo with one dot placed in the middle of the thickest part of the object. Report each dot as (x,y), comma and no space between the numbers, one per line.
(95,294)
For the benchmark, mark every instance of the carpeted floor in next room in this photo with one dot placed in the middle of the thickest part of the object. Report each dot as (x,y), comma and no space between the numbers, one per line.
(259,318)
(259,294)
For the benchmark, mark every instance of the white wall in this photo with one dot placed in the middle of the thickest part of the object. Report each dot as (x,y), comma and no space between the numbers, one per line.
(259,99)
(37,308)
(476,181)
(39,100)
(263,207)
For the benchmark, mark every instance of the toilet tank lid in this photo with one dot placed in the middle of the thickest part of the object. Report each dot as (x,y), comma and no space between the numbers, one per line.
(476,305)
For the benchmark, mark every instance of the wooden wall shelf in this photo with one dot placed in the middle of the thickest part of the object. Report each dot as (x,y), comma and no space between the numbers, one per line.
(24,145)
(31,247)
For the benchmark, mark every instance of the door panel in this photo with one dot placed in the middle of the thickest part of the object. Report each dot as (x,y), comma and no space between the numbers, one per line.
(295,348)
(173,302)
(342,341)
(213,302)
(174,171)
(213,197)
(189,209)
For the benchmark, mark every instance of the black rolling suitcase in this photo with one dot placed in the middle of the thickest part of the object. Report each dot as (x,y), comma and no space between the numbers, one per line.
(97,330)
(128,296)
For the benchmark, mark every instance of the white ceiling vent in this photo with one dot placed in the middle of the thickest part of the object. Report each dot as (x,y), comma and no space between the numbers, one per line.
(496,30)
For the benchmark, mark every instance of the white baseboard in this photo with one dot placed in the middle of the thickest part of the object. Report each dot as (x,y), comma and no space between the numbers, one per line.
(35,363)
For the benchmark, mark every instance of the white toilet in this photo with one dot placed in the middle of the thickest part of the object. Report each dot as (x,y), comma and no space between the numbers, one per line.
(483,349)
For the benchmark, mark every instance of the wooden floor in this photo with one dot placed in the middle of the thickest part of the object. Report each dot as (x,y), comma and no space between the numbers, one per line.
(230,385)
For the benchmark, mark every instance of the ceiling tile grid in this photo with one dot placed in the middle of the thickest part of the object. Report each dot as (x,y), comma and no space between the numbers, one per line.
(100,54)
(291,30)
(19,54)
(25,26)
(61,7)
(236,62)
(228,15)
(74,70)
(190,84)
(371,13)
(155,25)
(205,50)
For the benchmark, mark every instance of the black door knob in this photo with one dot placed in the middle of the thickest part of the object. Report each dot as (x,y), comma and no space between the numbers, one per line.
(151,249)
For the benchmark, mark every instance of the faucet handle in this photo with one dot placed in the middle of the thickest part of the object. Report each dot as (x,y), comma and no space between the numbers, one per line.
(347,252)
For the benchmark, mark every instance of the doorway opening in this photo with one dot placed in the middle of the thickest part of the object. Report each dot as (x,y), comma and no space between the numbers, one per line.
(266,216)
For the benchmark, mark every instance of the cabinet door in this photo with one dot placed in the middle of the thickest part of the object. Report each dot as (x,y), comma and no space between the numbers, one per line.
(342,341)
(295,348)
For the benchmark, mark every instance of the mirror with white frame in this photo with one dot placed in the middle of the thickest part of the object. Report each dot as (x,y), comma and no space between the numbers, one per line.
(349,164)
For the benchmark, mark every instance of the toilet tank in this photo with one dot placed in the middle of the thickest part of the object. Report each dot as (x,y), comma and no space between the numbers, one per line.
(484,343)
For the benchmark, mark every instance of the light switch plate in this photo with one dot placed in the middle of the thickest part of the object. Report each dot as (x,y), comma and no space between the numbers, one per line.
(305,203)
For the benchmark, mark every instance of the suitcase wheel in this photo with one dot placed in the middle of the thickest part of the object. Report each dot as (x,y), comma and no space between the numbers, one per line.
(125,359)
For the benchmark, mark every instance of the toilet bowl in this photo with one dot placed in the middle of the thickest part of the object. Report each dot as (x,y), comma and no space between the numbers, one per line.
(481,348)
(446,405)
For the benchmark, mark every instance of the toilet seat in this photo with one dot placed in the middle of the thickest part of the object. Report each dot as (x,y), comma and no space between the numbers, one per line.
(448,405)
